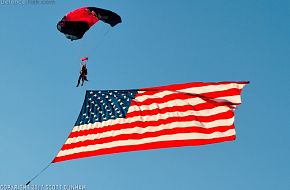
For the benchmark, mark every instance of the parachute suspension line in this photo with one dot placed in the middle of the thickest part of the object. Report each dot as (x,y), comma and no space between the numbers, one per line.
(103,38)
(38,174)
(99,43)
(85,45)
(83,48)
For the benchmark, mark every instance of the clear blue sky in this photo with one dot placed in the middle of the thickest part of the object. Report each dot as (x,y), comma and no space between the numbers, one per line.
(159,42)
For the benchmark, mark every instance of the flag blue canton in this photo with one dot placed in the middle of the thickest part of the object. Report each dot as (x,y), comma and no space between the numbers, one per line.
(103,105)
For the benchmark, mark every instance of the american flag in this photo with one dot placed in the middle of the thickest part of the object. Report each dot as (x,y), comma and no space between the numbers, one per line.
(189,114)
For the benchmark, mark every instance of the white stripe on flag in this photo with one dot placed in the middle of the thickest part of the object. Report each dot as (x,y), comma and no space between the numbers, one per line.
(180,136)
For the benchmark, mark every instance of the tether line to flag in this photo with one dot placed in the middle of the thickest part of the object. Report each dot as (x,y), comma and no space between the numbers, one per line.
(38,174)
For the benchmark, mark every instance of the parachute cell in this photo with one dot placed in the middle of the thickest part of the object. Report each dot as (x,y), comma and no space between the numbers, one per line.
(76,23)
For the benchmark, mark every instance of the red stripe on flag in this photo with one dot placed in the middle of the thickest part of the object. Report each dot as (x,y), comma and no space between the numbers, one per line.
(135,136)
(191,85)
(147,146)
(174,109)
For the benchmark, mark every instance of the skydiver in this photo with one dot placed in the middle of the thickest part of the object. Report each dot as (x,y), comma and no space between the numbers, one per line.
(83,74)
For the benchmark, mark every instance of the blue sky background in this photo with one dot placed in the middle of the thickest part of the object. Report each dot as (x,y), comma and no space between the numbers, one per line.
(159,42)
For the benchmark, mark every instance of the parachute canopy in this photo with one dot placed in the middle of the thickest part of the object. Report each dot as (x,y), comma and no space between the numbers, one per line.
(76,23)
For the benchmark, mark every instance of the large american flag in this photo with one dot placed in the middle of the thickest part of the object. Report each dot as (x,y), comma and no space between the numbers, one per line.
(113,121)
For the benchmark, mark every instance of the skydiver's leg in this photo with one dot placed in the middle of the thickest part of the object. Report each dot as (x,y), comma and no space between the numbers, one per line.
(79,80)
(83,80)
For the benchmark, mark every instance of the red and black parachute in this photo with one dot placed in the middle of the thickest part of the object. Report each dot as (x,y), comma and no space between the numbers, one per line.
(76,23)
